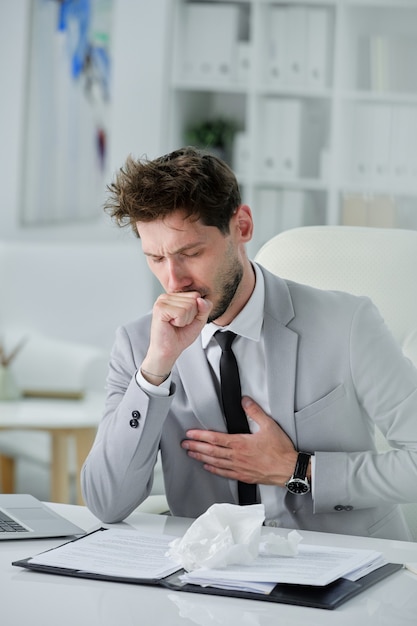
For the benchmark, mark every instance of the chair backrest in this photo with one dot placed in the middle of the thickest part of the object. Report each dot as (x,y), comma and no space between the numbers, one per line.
(376,262)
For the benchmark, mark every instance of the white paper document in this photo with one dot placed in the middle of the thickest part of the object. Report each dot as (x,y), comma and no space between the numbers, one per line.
(132,554)
(114,552)
(313,565)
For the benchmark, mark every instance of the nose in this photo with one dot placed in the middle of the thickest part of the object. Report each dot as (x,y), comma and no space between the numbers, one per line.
(178,278)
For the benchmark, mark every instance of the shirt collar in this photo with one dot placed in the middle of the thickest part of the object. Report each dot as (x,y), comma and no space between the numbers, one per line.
(248,323)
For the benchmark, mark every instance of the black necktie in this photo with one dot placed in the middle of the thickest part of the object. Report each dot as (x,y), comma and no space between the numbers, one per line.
(232,402)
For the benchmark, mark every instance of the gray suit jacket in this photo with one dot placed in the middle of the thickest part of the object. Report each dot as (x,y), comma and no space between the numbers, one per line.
(333,370)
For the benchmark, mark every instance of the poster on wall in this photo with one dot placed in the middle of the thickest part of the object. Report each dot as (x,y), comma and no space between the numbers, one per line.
(67,109)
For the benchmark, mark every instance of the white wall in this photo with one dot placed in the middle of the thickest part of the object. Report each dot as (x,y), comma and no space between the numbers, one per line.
(140,57)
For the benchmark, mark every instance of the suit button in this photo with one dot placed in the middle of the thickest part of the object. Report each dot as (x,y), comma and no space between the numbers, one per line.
(134,423)
(349,508)
(136,414)
(339,507)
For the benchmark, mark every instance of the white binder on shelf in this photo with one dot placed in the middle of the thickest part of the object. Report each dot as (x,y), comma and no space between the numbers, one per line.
(210,42)
(296,46)
(290,138)
(402,150)
(317,57)
(313,129)
(381,142)
(281,138)
(270,139)
(361,146)
(276,46)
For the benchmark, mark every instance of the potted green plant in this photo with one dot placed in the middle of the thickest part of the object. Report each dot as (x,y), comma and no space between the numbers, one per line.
(215,135)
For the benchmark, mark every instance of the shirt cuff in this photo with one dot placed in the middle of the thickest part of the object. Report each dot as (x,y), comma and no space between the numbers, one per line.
(162,390)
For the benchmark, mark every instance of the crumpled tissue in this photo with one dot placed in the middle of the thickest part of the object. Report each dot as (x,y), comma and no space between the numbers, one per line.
(228,534)
(275,545)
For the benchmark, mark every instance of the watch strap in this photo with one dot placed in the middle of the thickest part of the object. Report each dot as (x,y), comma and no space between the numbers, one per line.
(301,465)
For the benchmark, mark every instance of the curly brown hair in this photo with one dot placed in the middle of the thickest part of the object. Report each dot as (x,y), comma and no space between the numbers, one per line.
(196,182)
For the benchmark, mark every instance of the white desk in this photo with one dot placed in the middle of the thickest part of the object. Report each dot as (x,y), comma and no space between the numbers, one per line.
(63,420)
(47,600)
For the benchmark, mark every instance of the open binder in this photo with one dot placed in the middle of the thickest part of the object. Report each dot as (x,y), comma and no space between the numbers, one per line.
(328,597)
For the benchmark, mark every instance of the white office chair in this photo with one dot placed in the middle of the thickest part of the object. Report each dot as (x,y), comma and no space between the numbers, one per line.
(376,262)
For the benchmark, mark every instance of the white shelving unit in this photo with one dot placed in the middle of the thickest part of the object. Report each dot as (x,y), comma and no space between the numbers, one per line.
(325,97)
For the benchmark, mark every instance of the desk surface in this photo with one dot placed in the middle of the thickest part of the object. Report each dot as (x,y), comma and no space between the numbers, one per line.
(33,598)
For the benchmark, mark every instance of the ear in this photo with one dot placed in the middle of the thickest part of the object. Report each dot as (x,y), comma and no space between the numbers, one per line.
(244,222)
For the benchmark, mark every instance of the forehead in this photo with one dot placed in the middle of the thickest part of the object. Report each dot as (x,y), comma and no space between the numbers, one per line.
(173,232)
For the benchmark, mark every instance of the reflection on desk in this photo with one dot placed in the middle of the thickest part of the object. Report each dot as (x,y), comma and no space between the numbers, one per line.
(68,601)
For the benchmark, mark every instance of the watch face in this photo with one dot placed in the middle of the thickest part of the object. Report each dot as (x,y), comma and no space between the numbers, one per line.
(298,486)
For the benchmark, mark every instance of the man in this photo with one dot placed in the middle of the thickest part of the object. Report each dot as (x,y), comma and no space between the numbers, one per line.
(317,371)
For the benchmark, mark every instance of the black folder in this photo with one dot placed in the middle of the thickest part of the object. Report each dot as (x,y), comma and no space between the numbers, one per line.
(327,597)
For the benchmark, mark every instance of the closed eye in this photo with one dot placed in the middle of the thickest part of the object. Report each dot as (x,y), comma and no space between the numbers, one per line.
(191,254)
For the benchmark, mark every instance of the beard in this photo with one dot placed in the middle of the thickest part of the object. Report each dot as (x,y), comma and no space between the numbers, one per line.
(228,281)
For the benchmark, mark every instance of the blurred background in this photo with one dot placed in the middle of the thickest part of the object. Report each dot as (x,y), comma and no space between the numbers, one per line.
(313,104)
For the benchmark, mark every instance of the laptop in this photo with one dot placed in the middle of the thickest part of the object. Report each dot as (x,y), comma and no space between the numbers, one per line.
(24,517)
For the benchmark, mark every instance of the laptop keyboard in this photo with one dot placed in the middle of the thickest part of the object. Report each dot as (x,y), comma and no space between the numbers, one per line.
(9,525)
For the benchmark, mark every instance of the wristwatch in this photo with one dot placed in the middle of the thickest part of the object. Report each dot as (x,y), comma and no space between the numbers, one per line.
(298,482)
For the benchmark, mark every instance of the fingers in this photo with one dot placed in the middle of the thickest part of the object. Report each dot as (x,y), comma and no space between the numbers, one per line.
(206,445)
(217,453)
(204,308)
(177,309)
(267,426)
(181,309)
(213,437)
(254,411)
(177,320)
(207,452)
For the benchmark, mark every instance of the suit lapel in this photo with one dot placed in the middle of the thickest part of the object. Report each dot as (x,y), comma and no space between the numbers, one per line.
(280,352)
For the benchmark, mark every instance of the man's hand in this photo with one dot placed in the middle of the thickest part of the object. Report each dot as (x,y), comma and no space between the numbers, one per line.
(177,320)
(266,457)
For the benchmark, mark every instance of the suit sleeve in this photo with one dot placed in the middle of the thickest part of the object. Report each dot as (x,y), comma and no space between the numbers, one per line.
(118,472)
(385,384)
